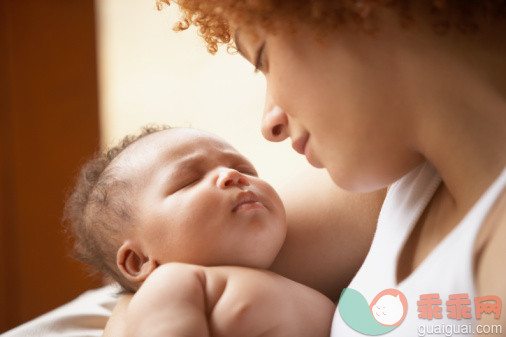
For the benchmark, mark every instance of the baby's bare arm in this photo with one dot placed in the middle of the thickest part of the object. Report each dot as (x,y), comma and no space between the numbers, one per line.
(258,302)
(187,300)
(116,325)
(171,302)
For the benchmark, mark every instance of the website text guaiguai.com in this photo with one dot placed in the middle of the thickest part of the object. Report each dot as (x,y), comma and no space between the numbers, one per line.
(455,329)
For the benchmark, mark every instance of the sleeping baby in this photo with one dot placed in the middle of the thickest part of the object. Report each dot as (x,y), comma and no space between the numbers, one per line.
(180,218)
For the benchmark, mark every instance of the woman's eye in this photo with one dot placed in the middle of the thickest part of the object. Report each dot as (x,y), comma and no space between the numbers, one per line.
(249,172)
(259,66)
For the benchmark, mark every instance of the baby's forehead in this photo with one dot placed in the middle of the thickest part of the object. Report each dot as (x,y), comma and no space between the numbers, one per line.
(180,142)
(171,145)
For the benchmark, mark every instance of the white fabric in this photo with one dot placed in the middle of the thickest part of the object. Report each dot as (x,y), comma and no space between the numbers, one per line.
(85,316)
(448,269)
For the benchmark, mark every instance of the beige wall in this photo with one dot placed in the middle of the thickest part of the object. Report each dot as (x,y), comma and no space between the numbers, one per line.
(150,74)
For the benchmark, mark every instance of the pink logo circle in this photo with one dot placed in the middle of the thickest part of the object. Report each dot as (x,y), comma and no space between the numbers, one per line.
(389,307)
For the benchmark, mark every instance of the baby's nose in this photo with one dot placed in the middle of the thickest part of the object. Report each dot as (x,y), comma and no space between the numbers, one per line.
(228,178)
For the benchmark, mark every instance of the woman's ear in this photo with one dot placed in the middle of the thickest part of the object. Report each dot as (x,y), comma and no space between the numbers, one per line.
(133,264)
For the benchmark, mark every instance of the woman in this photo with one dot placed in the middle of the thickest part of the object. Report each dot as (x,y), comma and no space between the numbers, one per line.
(407,95)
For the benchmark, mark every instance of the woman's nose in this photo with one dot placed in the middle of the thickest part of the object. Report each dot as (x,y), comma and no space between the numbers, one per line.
(275,124)
(229,178)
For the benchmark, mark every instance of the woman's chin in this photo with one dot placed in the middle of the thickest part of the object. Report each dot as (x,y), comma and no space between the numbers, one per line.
(354,182)
(314,162)
(311,157)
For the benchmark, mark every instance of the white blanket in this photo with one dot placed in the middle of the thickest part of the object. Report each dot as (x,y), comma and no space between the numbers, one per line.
(85,316)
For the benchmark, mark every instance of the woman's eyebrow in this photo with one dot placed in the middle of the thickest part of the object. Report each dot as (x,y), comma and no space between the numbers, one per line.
(239,46)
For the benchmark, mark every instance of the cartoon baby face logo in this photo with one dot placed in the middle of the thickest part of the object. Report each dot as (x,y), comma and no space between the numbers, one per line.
(385,313)
(389,307)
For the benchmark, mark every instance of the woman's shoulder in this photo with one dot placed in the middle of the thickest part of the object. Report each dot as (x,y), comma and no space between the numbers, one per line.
(493,226)
(490,254)
(489,246)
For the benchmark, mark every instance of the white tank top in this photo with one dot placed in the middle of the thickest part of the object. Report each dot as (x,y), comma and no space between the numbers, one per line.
(447,270)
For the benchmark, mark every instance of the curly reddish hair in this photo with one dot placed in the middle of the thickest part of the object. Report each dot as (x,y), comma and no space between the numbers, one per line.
(212,18)
(100,208)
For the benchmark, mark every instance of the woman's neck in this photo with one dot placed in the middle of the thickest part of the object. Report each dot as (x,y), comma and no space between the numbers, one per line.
(462,131)
(455,86)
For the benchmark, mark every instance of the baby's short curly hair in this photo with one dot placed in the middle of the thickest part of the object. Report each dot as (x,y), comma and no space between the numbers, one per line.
(99,208)
(213,17)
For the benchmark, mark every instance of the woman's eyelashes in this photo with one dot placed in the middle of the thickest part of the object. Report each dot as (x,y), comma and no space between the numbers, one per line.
(252,173)
(259,64)
(247,170)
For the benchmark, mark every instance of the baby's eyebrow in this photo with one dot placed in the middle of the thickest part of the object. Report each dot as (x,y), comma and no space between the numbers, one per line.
(175,174)
(186,163)
(194,162)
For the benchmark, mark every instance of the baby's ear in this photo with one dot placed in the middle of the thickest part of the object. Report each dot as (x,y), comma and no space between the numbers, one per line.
(133,264)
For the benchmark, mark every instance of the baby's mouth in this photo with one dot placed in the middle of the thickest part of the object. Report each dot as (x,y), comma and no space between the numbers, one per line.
(245,201)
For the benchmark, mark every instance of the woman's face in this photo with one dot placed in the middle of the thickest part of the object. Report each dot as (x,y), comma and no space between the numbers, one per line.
(339,100)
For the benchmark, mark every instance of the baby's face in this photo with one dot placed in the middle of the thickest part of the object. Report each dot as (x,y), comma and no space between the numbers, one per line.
(199,201)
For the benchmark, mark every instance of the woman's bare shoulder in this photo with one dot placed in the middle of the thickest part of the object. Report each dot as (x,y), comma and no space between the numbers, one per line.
(490,269)
(489,248)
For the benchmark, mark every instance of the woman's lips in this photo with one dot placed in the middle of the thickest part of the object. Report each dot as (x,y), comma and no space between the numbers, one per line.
(301,145)
(311,158)
(246,201)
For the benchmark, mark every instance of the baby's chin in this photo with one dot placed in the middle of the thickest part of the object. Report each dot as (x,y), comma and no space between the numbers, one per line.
(264,249)
(260,263)
(263,261)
